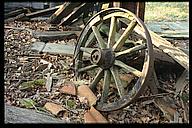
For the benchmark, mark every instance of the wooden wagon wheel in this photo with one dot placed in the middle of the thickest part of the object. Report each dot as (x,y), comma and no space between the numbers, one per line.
(110,52)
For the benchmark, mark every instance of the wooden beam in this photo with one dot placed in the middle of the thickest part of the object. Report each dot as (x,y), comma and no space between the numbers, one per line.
(16,12)
(62,12)
(178,55)
(42,12)
(140,10)
(75,13)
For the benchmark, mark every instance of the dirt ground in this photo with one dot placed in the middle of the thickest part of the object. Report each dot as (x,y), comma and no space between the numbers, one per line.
(21,65)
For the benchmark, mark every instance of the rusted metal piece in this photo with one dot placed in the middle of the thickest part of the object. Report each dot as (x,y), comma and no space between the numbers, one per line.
(105,57)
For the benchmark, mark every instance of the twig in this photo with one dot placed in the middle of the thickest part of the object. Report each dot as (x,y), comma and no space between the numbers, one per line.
(152,96)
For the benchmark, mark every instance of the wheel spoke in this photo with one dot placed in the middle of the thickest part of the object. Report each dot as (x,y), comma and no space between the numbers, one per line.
(87,68)
(112,31)
(107,81)
(124,36)
(119,85)
(91,37)
(100,40)
(87,50)
(128,68)
(97,78)
(130,50)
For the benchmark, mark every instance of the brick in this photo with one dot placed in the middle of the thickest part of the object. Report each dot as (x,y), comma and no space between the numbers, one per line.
(94,116)
(68,88)
(85,91)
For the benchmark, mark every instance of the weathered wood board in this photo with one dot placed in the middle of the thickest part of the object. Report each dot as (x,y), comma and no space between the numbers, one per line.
(178,29)
(55,35)
(161,43)
(62,12)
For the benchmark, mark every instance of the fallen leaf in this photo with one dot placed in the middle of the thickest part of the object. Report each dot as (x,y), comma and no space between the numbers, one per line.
(71,103)
(27,103)
(94,116)
(54,108)
(68,88)
(31,84)
(85,91)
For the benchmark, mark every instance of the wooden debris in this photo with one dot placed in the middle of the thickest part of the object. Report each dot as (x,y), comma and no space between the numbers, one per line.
(55,35)
(94,116)
(179,29)
(38,46)
(21,16)
(59,49)
(166,108)
(54,108)
(164,105)
(62,12)
(68,88)
(16,12)
(177,54)
(42,12)
(85,91)
(181,82)
(75,13)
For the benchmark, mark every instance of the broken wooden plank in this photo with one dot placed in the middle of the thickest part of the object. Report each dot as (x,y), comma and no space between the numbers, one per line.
(62,12)
(38,46)
(163,104)
(24,16)
(51,48)
(42,12)
(55,35)
(181,82)
(161,43)
(21,16)
(20,115)
(59,49)
(75,13)
(159,55)
(179,29)
(16,13)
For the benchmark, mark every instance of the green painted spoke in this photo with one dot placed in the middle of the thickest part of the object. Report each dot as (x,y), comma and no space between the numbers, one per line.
(99,38)
(91,37)
(87,50)
(118,45)
(97,78)
(87,68)
(119,85)
(128,68)
(112,31)
(131,50)
(107,81)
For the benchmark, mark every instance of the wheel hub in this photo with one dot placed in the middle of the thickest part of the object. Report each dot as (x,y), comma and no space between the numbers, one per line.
(103,57)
